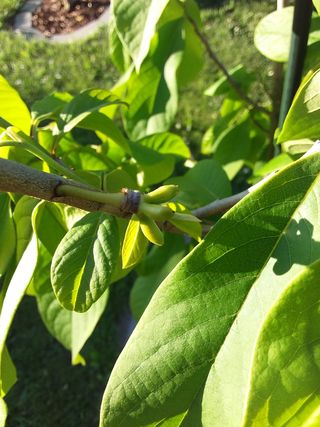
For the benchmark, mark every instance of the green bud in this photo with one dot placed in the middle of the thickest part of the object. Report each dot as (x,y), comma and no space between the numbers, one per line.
(151,230)
(162,194)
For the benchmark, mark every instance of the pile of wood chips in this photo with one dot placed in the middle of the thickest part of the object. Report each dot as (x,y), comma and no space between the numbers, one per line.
(62,16)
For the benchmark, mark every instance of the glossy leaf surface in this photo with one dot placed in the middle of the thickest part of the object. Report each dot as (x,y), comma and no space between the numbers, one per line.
(303,118)
(249,258)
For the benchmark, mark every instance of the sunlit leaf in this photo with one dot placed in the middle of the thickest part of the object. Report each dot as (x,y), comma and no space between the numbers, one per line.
(303,118)
(134,243)
(84,261)
(12,108)
(243,266)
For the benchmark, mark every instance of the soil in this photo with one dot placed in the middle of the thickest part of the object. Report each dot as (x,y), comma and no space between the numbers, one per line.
(61,16)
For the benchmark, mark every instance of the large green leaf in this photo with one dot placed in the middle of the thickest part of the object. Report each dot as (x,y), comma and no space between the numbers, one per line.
(254,252)
(303,118)
(71,329)
(12,108)
(7,233)
(136,24)
(160,261)
(284,370)
(84,261)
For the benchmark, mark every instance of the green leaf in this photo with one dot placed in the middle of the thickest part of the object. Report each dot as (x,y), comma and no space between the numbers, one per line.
(13,296)
(166,143)
(49,107)
(283,340)
(81,157)
(317,5)
(191,228)
(71,329)
(101,124)
(303,118)
(134,243)
(254,252)
(243,77)
(22,220)
(3,413)
(232,148)
(81,106)
(153,92)
(202,184)
(84,261)
(273,34)
(12,108)
(153,167)
(114,181)
(159,262)
(8,373)
(7,233)
(136,24)
(118,54)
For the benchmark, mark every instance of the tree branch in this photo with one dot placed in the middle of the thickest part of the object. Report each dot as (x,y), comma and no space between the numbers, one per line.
(18,178)
(219,206)
(233,83)
(21,179)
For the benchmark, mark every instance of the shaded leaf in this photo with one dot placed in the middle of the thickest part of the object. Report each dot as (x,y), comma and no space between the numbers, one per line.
(50,106)
(13,296)
(159,263)
(7,233)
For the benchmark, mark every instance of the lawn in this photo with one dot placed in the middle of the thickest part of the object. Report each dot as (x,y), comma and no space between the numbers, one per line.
(50,392)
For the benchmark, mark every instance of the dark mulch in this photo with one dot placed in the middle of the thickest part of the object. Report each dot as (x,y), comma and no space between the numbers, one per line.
(64,16)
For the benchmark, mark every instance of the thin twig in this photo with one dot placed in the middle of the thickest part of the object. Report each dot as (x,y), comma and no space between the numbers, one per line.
(219,206)
(217,61)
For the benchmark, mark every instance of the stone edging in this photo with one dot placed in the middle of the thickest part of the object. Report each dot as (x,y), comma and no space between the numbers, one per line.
(23,25)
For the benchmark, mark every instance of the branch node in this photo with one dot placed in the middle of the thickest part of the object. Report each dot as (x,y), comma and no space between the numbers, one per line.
(131,201)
